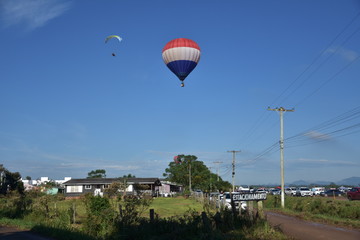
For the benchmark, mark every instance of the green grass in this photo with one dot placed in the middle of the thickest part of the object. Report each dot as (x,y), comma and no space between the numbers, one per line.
(169,207)
(338,211)
(19,223)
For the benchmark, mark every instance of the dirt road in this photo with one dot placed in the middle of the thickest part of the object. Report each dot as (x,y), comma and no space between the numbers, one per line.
(9,233)
(305,230)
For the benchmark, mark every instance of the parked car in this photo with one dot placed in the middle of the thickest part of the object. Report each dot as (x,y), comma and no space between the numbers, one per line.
(227,197)
(317,190)
(331,193)
(244,188)
(214,196)
(260,190)
(303,191)
(354,194)
(290,191)
(275,192)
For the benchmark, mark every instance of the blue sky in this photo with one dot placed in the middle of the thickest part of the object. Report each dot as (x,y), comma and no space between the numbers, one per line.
(69,107)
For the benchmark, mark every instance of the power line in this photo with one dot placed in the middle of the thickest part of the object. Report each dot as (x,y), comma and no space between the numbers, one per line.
(342,118)
(217,169)
(263,116)
(302,138)
(327,81)
(318,57)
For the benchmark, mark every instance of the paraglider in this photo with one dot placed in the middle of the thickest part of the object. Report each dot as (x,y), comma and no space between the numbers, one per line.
(111,37)
(181,56)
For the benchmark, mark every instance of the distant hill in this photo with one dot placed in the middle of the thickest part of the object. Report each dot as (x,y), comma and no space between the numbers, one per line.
(352,181)
(300,183)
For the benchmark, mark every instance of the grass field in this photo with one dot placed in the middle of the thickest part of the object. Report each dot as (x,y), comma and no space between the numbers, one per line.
(163,207)
(338,211)
(167,210)
(169,207)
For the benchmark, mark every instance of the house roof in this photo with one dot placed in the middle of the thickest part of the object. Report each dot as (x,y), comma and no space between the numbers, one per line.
(93,181)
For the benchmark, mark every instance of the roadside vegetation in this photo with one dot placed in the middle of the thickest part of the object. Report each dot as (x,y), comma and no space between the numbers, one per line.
(337,211)
(127,218)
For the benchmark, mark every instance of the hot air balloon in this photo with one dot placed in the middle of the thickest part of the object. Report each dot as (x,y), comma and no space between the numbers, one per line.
(111,37)
(181,56)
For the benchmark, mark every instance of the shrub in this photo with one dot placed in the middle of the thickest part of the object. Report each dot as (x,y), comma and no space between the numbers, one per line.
(100,216)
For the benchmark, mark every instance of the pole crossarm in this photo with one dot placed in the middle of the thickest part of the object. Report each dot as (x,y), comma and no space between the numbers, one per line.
(281,109)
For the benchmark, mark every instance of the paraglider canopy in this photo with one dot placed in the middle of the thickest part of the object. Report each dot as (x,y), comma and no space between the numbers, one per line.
(181,56)
(113,37)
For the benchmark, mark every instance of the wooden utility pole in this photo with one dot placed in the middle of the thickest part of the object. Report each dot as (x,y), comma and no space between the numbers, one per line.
(217,169)
(281,110)
(190,176)
(210,180)
(233,169)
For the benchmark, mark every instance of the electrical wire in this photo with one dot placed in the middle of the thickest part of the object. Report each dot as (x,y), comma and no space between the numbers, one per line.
(265,116)
(327,81)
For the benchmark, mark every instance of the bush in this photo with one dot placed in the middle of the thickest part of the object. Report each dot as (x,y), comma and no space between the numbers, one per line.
(100,217)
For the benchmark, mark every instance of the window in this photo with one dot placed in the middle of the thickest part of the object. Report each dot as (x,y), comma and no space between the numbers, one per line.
(87,186)
(106,186)
(73,189)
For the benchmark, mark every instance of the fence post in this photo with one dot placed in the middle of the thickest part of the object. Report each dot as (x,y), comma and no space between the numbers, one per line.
(260,209)
(120,210)
(152,213)
(74,213)
(251,210)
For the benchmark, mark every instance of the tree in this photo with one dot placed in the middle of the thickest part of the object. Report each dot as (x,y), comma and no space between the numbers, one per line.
(10,181)
(129,176)
(98,173)
(201,177)
(116,188)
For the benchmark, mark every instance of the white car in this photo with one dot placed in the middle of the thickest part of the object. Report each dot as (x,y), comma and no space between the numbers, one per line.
(317,190)
(304,191)
(227,200)
(290,191)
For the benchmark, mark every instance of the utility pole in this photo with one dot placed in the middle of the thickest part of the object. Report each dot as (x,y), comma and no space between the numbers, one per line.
(190,176)
(281,110)
(217,169)
(210,180)
(233,167)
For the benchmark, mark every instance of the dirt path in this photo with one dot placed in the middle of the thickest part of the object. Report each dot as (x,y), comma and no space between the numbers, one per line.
(305,230)
(10,233)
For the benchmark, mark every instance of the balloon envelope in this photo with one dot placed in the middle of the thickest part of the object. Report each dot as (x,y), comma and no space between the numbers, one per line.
(181,56)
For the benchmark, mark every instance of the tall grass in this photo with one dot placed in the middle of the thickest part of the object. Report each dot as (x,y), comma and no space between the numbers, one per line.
(336,211)
(175,218)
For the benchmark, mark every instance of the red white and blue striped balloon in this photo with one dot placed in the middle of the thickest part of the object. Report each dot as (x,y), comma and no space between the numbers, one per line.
(181,56)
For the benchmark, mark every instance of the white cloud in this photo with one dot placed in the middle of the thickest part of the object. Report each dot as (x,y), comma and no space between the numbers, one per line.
(347,54)
(317,135)
(326,162)
(32,13)
(121,167)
